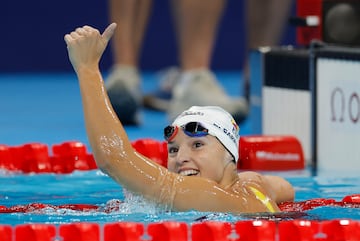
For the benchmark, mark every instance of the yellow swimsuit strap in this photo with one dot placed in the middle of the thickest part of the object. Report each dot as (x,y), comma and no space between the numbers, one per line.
(263,198)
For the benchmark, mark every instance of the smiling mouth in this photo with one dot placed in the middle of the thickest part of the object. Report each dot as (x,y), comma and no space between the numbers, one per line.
(189,173)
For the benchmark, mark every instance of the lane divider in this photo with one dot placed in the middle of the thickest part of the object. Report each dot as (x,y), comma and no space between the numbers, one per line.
(246,230)
(35,158)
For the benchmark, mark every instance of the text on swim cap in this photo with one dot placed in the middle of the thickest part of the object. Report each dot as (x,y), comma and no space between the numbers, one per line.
(227,132)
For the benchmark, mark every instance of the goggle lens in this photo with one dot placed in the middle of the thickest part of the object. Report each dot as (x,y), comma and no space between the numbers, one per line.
(192,129)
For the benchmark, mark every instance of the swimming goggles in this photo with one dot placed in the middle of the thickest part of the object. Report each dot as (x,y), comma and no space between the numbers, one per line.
(192,129)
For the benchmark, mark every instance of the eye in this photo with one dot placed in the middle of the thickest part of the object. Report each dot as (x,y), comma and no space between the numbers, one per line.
(172,149)
(198,144)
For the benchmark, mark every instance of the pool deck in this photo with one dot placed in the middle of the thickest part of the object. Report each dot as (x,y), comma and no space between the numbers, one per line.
(47,108)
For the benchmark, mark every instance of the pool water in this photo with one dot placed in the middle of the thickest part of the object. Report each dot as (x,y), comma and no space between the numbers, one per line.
(94,187)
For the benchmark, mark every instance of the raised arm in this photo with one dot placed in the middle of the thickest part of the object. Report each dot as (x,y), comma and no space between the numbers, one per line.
(109,142)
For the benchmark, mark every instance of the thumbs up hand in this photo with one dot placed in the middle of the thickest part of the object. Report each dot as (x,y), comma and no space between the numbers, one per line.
(86,45)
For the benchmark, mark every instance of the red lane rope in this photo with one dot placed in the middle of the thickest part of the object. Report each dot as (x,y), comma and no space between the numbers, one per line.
(350,201)
(254,230)
(35,158)
(36,207)
(66,157)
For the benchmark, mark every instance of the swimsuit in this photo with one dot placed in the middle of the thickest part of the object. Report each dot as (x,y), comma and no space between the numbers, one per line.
(263,198)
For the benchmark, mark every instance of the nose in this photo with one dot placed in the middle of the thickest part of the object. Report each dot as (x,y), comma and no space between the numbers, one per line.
(183,155)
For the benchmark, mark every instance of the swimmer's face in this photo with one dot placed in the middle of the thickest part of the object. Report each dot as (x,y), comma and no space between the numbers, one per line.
(198,156)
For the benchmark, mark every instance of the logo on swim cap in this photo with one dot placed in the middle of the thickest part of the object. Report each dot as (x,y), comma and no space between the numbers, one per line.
(188,112)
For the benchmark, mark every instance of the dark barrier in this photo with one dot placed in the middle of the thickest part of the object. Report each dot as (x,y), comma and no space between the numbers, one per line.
(32,35)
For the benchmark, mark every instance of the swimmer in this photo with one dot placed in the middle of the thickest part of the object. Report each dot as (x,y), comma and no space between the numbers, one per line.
(202,147)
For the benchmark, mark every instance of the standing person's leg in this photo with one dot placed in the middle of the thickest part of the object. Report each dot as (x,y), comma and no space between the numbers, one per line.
(196,24)
(123,82)
(196,27)
(131,17)
(266,21)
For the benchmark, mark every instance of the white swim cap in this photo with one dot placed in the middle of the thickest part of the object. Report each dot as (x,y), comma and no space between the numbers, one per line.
(219,123)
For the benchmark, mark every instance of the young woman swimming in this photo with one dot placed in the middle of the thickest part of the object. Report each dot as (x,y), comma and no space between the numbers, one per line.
(202,146)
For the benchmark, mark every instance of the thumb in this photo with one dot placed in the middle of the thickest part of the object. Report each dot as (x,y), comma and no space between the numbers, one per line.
(109,31)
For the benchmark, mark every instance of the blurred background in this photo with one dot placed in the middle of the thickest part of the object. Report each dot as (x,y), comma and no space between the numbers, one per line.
(32,35)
